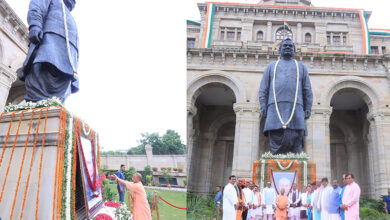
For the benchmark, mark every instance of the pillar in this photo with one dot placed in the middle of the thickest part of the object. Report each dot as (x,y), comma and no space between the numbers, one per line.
(191,112)
(269,31)
(247,30)
(149,154)
(5,85)
(246,140)
(317,143)
(299,32)
(354,163)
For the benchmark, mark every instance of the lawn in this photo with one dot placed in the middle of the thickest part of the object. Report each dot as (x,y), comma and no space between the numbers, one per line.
(166,211)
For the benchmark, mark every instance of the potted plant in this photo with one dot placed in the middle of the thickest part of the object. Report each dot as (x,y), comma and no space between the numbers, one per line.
(148,180)
(175,169)
(154,169)
(169,169)
(185,181)
(180,170)
(162,169)
(167,176)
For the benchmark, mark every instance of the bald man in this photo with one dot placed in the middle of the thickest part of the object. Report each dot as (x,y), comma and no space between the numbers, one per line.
(141,209)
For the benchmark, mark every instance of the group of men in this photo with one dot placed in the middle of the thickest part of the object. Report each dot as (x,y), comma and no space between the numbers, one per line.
(242,200)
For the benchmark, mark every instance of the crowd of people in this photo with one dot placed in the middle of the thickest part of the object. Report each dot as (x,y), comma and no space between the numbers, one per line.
(243,200)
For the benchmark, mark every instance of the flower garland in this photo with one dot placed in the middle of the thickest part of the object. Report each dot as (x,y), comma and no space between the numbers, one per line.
(12,154)
(57,164)
(6,137)
(21,167)
(284,167)
(40,166)
(33,105)
(288,156)
(31,163)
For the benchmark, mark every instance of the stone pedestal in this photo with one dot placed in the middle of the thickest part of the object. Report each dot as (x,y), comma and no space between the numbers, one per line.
(37,163)
(304,169)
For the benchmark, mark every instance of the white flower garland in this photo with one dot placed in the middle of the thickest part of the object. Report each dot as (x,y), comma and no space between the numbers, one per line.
(262,174)
(288,156)
(284,124)
(33,105)
(69,170)
(304,173)
(281,167)
(84,131)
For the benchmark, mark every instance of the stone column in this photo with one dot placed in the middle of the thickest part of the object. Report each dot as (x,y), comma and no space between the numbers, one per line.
(317,143)
(269,31)
(320,29)
(7,77)
(191,112)
(299,32)
(204,171)
(246,140)
(247,31)
(380,122)
(149,154)
(354,165)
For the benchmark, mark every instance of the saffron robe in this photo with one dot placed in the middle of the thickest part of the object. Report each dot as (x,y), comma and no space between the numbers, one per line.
(281,207)
(141,208)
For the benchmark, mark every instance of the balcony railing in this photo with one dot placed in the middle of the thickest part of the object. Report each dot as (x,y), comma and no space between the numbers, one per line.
(236,44)
(333,48)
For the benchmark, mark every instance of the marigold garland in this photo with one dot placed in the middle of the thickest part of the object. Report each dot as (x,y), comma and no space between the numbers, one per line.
(31,163)
(12,154)
(61,173)
(21,167)
(40,166)
(74,166)
(57,165)
(6,138)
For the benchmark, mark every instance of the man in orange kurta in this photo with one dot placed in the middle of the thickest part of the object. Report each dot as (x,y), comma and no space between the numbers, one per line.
(141,209)
(281,206)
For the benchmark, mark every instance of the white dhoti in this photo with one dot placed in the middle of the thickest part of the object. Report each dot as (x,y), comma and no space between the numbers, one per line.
(294,213)
(324,214)
(335,216)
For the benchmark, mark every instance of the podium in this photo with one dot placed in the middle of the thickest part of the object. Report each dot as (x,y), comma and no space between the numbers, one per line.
(283,170)
(49,165)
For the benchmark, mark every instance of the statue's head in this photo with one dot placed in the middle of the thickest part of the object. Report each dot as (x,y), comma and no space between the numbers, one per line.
(70,4)
(287,48)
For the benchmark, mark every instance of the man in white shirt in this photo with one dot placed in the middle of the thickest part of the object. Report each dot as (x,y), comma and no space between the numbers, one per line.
(251,201)
(268,201)
(325,198)
(293,199)
(304,203)
(230,201)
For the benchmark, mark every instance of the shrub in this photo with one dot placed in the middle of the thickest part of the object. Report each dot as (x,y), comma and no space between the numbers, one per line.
(109,194)
(148,179)
(185,181)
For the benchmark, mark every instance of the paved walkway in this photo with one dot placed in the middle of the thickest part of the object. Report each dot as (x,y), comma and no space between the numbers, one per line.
(166,188)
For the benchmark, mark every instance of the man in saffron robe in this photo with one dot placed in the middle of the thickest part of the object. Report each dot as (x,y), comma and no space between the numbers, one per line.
(241,198)
(269,196)
(334,207)
(351,199)
(324,199)
(141,209)
(230,202)
(281,206)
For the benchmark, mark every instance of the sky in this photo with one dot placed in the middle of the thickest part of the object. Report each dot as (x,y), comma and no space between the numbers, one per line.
(132,64)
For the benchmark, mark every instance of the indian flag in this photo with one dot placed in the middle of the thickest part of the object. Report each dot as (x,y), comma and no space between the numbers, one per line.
(287,26)
(208,25)
(374,31)
(365,32)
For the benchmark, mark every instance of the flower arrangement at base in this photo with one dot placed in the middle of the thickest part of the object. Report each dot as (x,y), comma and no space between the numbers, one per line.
(33,105)
(122,213)
(288,156)
(102,216)
(112,204)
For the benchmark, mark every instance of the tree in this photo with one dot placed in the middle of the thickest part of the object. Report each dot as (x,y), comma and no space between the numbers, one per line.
(129,173)
(169,143)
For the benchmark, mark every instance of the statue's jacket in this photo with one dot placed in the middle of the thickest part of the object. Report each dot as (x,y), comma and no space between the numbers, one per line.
(285,84)
(48,15)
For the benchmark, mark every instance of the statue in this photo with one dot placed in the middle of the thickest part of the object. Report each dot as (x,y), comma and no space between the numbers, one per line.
(50,68)
(285,101)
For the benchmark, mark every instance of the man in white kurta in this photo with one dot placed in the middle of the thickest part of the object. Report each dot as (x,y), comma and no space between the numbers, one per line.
(269,201)
(294,212)
(251,200)
(230,201)
(325,198)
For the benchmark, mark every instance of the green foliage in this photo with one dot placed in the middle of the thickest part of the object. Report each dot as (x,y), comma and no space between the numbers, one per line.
(166,175)
(169,143)
(129,173)
(198,207)
(111,152)
(148,179)
(368,202)
(109,193)
(147,170)
(185,181)
(372,214)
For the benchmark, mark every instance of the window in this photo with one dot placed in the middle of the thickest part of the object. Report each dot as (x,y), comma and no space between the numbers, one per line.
(259,36)
(336,40)
(230,33)
(328,39)
(283,33)
(307,38)
(383,50)
(374,50)
(190,42)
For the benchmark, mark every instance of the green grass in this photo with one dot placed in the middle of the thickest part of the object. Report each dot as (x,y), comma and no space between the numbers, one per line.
(166,211)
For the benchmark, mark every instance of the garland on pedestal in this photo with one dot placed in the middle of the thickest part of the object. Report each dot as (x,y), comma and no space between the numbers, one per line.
(64,183)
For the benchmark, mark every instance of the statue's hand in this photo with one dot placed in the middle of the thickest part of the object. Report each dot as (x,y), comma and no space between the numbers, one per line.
(35,35)
(307,114)
(264,113)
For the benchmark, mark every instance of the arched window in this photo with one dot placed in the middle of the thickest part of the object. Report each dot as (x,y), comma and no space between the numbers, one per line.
(260,36)
(283,33)
(307,38)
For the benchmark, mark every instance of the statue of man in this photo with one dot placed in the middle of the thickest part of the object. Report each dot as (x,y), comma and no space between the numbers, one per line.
(285,102)
(50,66)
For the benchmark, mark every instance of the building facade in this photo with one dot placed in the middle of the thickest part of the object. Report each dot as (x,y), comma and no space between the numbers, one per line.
(13,49)
(227,52)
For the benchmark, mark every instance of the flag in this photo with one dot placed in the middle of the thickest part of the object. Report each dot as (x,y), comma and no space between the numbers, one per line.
(287,26)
